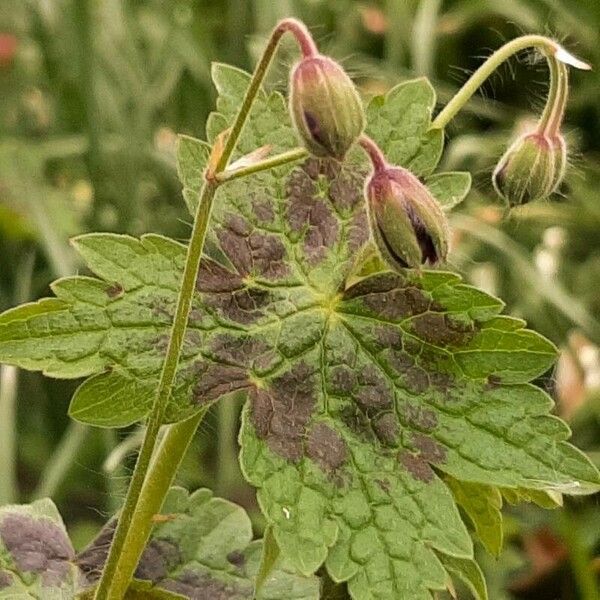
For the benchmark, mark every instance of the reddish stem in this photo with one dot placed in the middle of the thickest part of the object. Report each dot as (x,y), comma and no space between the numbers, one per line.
(301,33)
(374,152)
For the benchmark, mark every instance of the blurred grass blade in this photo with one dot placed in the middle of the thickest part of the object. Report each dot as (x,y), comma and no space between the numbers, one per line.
(423,43)
(9,382)
(61,461)
(548,289)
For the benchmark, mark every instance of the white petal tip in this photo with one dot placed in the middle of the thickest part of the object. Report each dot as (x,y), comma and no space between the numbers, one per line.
(566,57)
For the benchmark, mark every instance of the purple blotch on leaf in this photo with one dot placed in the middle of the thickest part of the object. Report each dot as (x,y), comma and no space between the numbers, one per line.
(37,545)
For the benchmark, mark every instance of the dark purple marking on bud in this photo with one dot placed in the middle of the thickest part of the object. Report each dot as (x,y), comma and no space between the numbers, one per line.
(423,237)
(313,127)
(325,106)
(408,224)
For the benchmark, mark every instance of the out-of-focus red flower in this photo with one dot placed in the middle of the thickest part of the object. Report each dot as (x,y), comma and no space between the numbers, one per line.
(374,19)
(8,49)
(546,553)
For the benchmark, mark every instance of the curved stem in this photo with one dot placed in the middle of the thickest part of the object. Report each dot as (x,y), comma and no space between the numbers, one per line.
(308,47)
(374,151)
(122,559)
(546,45)
(554,120)
(302,35)
(554,89)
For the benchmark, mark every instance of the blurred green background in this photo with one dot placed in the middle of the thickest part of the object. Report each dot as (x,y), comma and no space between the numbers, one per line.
(93,93)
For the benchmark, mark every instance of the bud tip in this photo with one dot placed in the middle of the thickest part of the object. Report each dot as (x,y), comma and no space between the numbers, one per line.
(567,58)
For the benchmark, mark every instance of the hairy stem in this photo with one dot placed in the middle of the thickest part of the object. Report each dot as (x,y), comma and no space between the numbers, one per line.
(115,578)
(554,111)
(134,523)
(551,50)
(162,470)
(374,151)
(308,48)
(268,163)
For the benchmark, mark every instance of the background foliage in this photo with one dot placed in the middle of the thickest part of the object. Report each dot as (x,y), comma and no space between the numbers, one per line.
(92,95)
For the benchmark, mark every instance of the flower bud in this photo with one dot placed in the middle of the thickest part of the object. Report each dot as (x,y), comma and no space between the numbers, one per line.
(409,225)
(325,106)
(531,169)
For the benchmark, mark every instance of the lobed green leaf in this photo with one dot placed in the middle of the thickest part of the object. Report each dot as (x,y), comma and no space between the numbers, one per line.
(365,388)
(483,506)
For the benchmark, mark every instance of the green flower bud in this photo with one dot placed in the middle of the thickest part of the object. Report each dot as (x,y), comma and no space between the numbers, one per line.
(325,106)
(409,225)
(531,169)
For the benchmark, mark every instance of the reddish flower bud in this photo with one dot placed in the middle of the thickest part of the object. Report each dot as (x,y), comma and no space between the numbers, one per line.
(8,49)
(325,106)
(409,225)
(531,169)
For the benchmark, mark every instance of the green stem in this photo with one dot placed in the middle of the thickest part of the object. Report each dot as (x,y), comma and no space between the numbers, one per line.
(547,46)
(162,471)
(306,44)
(555,119)
(554,89)
(127,544)
(114,581)
(9,376)
(269,163)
